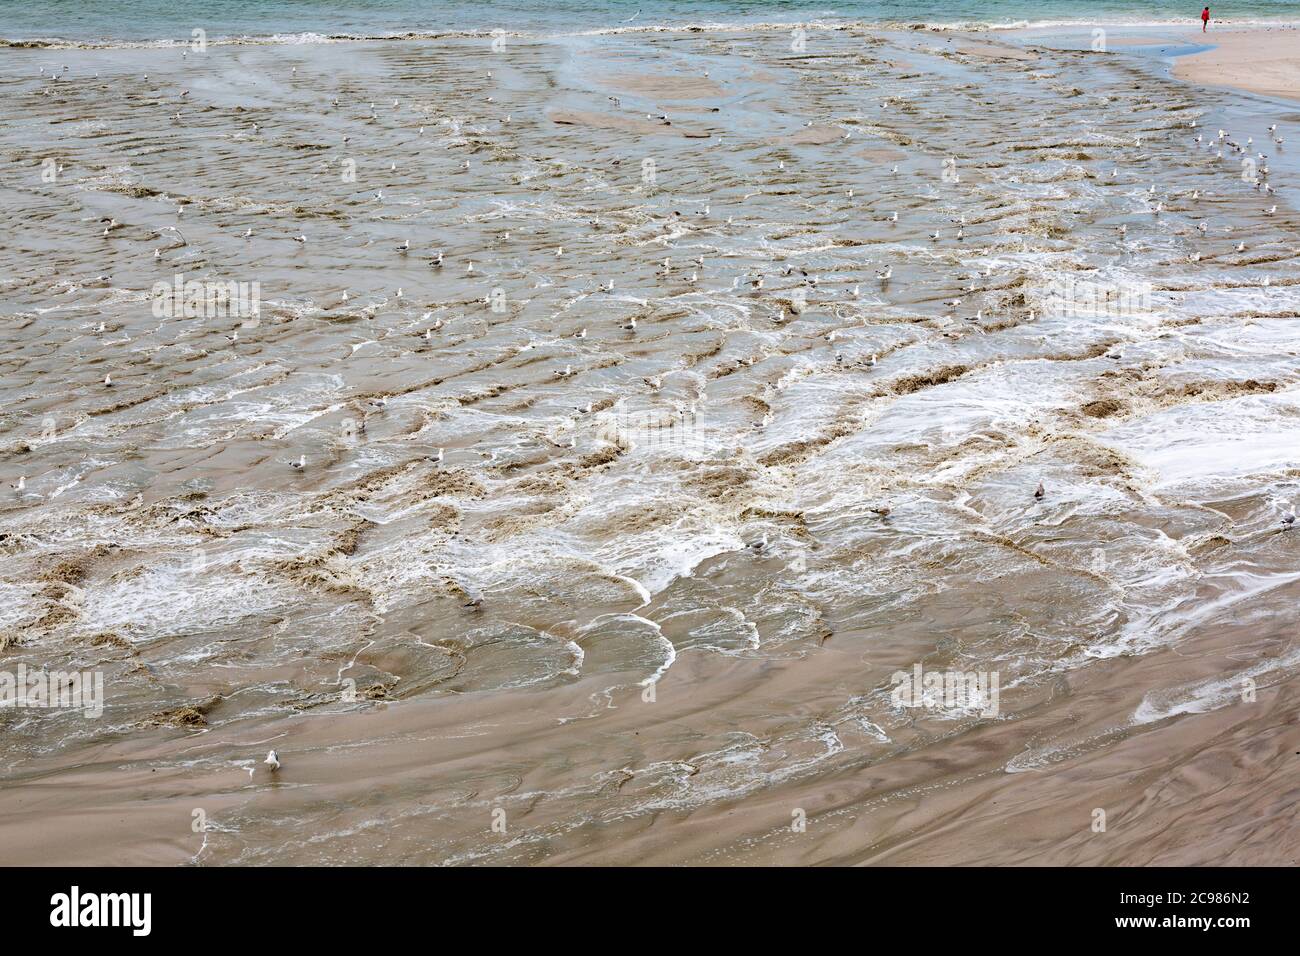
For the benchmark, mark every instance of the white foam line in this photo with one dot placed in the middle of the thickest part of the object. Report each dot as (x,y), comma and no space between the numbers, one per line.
(670,654)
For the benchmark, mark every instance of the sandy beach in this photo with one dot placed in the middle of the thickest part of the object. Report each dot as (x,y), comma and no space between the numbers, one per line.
(595,464)
(1263,60)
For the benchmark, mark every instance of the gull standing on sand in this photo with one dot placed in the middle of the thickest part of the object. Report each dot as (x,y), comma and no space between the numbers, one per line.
(273,761)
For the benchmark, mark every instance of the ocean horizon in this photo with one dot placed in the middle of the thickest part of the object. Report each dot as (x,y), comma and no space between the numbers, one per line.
(92,21)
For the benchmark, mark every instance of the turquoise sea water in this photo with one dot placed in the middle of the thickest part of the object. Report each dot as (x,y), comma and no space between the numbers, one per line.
(161,19)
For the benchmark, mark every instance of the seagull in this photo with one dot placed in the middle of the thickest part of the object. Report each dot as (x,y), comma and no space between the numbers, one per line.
(248,234)
(1039,492)
(885,275)
(22,484)
(437,260)
(273,759)
(475,603)
(300,464)
(108,380)
(631,324)
(437,459)
(581,333)
(301,239)
(406,244)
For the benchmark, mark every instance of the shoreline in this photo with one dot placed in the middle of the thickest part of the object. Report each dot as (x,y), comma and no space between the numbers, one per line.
(1256,58)
(309,37)
(1262,61)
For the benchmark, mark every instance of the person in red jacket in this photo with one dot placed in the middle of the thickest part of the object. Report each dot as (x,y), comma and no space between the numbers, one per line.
(1205,19)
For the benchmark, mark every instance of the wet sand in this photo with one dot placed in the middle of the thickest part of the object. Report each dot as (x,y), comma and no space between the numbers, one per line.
(636,591)
(1265,60)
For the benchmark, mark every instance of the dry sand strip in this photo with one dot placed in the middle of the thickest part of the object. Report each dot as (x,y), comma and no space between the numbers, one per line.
(994,51)
(1264,61)
(811,136)
(665,87)
(624,123)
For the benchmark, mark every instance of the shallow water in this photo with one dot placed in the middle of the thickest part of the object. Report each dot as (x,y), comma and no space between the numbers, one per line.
(687,599)
(306,20)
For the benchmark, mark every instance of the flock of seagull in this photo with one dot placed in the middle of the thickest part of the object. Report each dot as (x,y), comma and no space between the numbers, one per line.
(1222,145)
